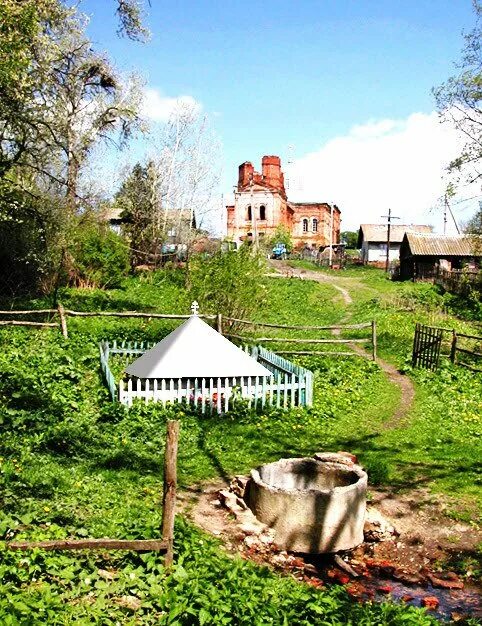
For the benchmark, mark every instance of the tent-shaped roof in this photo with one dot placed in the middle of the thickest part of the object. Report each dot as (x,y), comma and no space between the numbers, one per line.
(195,350)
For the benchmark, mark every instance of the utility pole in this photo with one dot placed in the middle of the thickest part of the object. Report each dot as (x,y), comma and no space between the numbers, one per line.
(389,217)
(253,213)
(331,236)
(446,204)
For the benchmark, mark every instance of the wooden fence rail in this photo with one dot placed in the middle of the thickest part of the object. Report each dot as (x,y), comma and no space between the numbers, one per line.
(290,340)
(134,314)
(459,281)
(219,320)
(288,327)
(164,544)
(335,329)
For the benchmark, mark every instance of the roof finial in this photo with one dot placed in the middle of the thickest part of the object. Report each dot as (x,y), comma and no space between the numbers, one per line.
(194,307)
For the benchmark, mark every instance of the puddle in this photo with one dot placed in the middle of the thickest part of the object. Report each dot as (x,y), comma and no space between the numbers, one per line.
(453,604)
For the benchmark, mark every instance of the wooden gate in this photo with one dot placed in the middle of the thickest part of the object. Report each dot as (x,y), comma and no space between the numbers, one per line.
(426,346)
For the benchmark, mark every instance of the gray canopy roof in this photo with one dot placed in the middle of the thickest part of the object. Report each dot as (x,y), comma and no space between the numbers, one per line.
(195,350)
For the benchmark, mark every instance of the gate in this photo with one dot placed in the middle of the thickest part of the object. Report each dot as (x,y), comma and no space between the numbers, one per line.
(426,346)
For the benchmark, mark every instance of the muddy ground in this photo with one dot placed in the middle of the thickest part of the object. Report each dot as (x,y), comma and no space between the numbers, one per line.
(412,552)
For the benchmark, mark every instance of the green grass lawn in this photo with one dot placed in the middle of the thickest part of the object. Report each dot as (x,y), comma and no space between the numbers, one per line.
(75,464)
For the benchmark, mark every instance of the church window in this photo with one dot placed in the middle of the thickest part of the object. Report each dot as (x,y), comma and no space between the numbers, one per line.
(262,212)
(305,225)
(314,225)
(250,217)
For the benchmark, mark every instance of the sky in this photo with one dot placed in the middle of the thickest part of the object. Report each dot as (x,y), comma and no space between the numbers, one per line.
(339,89)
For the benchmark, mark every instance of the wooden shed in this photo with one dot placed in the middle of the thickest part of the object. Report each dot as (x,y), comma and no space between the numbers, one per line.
(423,255)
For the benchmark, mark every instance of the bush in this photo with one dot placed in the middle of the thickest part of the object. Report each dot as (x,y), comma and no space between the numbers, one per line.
(231,283)
(100,258)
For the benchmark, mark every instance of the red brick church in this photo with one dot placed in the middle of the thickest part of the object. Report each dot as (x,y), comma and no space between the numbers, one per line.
(261,204)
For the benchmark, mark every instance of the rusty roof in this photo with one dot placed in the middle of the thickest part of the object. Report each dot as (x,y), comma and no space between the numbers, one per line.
(423,244)
(378,232)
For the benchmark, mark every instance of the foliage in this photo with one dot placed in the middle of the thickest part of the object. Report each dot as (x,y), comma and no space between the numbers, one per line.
(350,237)
(467,307)
(130,18)
(167,198)
(205,587)
(89,103)
(75,464)
(459,100)
(33,234)
(232,282)
(474,225)
(136,199)
(22,29)
(281,235)
(60,99)
(99,257)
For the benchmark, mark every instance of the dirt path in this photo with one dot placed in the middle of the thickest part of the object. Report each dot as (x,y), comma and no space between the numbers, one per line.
(285,271)
(403,382)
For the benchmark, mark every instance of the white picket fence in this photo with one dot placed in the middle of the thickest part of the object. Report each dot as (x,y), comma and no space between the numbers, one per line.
(290,384)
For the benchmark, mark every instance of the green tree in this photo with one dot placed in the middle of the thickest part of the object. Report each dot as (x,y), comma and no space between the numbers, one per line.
(281,235)
(23,26)
(459,101)
(232,283)
(474,225)
(138,202)
(86,102)
(130,20)
(59,99)
(351,238)
(99,257)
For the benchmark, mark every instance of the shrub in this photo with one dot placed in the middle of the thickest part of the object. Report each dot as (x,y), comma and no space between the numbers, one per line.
(231,282)
(100,258)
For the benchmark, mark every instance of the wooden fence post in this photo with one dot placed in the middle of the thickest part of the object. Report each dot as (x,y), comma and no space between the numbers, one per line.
(219,323)
(374,339)
(453,347)
(63,321)
(170,481)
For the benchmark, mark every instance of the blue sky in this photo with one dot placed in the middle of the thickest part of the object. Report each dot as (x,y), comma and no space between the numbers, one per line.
(317,75)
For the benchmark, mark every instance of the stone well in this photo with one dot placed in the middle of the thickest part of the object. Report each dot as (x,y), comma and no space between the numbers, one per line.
(313,504)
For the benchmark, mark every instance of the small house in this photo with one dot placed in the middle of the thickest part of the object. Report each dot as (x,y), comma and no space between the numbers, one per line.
(372,240)
(424,255)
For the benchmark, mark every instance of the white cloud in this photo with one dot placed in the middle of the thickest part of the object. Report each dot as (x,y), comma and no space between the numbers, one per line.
(159,108)
(397,164)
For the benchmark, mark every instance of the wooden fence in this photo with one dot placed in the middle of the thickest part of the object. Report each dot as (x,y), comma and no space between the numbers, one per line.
(459,281)
(290,384)
(335,330)
(427,342)
(62,315)
(432,342)
(222,323)
(163,544)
